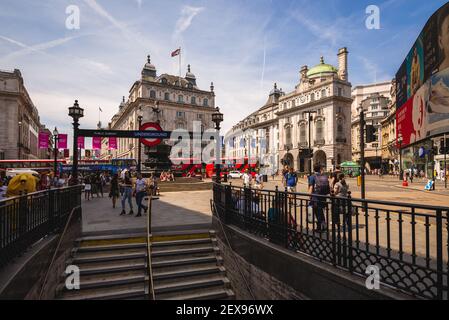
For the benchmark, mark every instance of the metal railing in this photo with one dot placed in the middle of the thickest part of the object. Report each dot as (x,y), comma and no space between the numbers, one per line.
(28,218)
(408,243)
(151,294)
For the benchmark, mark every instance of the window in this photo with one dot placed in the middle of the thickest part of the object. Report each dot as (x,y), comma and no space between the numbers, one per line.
(312,97)
(374,114)
(199,116)
(205,102)
(152,94)
(167,96)
(181,98)
(193,100)
(323,93)
(302,132)
(288,135)
(319,129)
(339,92)
(180,114)
(164,81)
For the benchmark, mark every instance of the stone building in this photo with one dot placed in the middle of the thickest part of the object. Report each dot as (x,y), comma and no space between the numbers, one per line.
(324,93)
(390,154)
(257,136)
(19,121)
(179,103)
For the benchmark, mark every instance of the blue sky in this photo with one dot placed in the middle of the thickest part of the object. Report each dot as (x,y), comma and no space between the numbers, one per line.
(242,46)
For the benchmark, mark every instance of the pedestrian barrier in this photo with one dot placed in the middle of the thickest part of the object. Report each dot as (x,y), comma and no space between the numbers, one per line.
(408,243)
(28,218)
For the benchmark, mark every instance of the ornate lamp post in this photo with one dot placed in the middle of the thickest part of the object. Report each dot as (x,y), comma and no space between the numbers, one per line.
(76,112)
(55,151)
(139,146)
(309,121)
(217,118)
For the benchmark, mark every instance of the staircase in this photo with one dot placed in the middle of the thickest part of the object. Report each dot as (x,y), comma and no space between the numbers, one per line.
(185,267)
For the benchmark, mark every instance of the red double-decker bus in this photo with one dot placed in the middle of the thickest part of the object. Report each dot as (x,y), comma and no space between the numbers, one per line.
(39,165)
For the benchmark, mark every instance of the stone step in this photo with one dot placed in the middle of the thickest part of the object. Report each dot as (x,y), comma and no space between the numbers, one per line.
(182,251)
(180,243)
(195,271)
(113,247)
(187,261)
(111,276)
(126,291)
(107,258)
(194,287)
(101,254)
(113,268)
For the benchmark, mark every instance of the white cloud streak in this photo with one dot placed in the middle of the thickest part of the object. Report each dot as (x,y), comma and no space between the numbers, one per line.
(184,22)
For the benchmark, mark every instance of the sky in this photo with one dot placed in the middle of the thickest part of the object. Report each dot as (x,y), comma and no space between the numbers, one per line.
(244,47)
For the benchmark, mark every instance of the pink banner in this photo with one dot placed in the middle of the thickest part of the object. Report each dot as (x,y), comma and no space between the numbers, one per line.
(62,141)
(112,143)
(43,140)
(96,143)
(80,142)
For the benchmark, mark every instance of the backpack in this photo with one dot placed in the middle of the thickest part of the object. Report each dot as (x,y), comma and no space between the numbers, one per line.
(322,185)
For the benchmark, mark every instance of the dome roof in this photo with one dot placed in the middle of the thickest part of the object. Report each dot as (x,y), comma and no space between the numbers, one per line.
(275,90)
(148,65)
(189,74)
(320,69)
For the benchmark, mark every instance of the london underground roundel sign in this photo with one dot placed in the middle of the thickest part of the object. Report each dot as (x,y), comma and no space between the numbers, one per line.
(154,127)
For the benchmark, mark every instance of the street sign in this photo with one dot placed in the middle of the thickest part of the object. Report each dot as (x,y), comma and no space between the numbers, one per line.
(151,126)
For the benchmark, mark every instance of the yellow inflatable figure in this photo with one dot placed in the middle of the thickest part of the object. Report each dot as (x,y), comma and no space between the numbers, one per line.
(21,183)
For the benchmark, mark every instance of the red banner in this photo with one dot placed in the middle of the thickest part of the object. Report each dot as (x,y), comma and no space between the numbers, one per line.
(66,153)
(96,143)
(112,143)
(62,141)
(43,140)
(80,142)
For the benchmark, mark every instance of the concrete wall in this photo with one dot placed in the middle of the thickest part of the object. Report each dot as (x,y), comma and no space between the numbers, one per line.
(23,278)
(273,272)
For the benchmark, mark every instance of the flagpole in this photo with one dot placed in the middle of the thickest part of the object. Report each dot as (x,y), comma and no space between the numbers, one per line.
(180,65)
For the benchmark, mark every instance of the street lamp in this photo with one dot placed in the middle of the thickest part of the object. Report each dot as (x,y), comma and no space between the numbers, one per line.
(309,120)
(139,144)
(362,124)
(401,174)
(76,112)
(217,118)
(55,150)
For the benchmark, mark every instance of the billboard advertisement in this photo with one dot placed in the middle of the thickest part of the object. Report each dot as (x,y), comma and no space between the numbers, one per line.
(422,83)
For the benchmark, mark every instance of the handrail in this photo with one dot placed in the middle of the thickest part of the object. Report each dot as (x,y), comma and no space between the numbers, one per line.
(229,245)
(57,249)
(36,192)
(150,269)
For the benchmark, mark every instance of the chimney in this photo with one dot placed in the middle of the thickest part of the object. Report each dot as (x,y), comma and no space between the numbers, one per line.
(303,73)
(343,64)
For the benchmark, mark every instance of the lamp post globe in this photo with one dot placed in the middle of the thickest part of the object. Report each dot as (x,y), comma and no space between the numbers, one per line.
(76,112)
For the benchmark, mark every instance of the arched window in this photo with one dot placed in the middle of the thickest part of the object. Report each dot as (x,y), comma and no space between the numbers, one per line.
(323,93)
(288,135)
(164,81)
(180,98)
(167,96)
(193,100)
(153,94)
(312,97)
(340,128)
(206,102)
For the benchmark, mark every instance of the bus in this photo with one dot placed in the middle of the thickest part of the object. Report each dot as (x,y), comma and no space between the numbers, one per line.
(113,166)
(39,165)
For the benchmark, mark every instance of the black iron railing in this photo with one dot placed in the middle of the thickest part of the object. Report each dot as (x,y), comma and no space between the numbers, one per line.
(26,219)
(407,243)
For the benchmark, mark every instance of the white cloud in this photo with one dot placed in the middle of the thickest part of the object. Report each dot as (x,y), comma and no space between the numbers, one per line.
(184,22)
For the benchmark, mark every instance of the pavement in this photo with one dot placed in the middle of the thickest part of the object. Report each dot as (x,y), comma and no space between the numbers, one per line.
(172,211)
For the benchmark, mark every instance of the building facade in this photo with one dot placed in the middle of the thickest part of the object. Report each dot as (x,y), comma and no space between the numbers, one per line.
(316,116)
(19,122)
(173,101)
(390,150)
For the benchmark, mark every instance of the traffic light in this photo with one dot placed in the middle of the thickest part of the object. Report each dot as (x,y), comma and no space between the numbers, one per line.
(370,133)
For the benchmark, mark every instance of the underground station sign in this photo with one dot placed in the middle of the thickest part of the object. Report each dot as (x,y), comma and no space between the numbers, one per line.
(151,133)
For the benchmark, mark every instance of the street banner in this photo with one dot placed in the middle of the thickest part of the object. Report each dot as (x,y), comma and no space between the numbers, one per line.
(62,141)
(43,140)
(80,142)
(66,153)
(96,143)
(112,143)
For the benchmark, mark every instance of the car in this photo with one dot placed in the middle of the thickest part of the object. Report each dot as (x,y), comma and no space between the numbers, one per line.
(235,174)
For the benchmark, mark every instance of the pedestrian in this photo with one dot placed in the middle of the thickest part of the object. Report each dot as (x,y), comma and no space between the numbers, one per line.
(115,190)
(87,187)
(259,180)
(3,189)
(101,183)
(341,192)
(291,180)
(319,188)
(127,194)
(247,179)
(141,192)
(334,176)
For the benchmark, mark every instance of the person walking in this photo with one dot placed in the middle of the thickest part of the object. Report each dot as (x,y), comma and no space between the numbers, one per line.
(291,180)
(319,188)
(247,179)
(341,192)
(335,174)
(115,190)
(127,194)
(87,187)
(259,180)
(141,192)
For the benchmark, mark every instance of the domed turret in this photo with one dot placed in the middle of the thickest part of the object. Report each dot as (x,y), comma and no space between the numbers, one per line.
(190,76)
(149,70)
(122,104)
(321,69)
